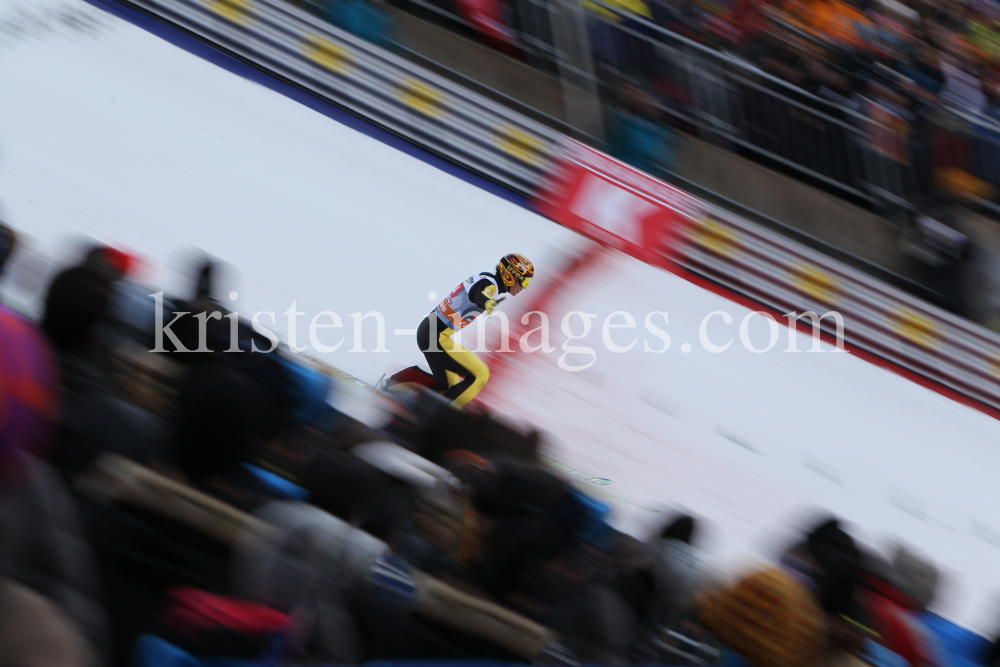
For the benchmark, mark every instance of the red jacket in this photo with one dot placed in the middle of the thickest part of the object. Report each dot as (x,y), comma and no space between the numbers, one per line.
(893,615)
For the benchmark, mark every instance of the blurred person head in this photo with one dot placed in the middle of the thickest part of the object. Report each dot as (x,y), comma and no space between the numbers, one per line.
(961,11)
(78,300)
(828,560)
(111,263)
(676,570)
(204,273)
(681,528)
(841,82)
(203,281)
(899,52)
(886,91)
(8,241)
(210,277)
(839,560)
(28,392)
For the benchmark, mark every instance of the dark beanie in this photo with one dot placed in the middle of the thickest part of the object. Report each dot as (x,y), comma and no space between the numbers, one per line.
(681,529)
(77,300)
(840,560)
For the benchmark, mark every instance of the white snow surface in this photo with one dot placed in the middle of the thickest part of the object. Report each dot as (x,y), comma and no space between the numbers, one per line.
(108,132)
(123,137)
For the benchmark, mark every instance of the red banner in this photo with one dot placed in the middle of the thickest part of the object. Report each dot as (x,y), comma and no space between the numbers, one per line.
(613,203)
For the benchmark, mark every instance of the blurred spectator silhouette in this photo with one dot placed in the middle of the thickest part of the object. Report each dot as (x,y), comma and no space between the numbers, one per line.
(8,241)
(945,259)
(92,418)
(50,612)
(636,134)
(894,595)
(370,20)
(145,542)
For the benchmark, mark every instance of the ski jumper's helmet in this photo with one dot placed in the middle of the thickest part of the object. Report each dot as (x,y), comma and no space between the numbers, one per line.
(514,268)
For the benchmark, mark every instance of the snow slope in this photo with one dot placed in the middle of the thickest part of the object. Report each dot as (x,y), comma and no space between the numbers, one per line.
(121,136)
(108,131)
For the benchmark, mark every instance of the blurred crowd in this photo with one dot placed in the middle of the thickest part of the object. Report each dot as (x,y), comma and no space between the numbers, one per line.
(890,72)
(217,508)
(898,102)
(899,66)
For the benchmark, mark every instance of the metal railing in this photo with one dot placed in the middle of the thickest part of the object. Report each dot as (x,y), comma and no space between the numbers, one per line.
(869,154)
(727,100)
(969,142)
(713,94)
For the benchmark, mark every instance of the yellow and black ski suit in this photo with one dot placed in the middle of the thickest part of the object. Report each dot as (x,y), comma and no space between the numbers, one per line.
(456,372)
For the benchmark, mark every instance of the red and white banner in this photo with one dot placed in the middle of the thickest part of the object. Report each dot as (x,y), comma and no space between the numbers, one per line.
(613,203)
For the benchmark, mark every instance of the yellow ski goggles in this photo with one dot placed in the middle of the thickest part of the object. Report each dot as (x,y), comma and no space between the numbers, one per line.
(525,281)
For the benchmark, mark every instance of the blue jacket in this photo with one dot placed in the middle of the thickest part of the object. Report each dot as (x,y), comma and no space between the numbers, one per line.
(364,20)
(642,142)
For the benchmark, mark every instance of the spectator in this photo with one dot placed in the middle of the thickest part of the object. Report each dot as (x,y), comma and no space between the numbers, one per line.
(774,51)
(143,546)
(92,419)
(925,71)
(677,570)
(962,88)
(222,416)
(679,16)
(769,617)
(986,150)
(7,243)
(44,611)
(669,632)
(637,136)
(205,331)
(893,596)
(944,258)
(839,564)
(368,19)
(830,563)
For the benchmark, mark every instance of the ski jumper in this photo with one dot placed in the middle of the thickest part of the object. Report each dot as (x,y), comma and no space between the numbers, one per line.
(455,371)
